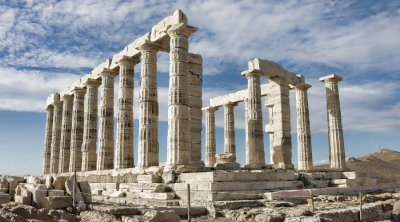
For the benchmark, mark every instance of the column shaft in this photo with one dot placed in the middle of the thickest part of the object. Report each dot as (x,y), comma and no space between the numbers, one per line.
(47,140)
(65,134)
(305,162)
(148,98)
(255,154)
(75,162)
(195,105)
(55,138)
(90,126)
(179,143)
(210,159)
(105,159)
(335,131)
(229,130)
(125,115)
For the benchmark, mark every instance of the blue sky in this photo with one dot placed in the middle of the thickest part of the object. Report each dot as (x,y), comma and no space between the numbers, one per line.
(47,45)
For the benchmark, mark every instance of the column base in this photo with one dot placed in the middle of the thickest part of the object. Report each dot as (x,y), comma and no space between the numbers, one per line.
(255,166)
(227,166)
(286,166)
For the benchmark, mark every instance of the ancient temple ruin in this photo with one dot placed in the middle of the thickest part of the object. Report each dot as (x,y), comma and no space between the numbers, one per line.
(74,141)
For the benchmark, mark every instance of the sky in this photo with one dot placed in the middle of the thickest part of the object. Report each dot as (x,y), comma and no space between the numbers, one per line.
(46,45)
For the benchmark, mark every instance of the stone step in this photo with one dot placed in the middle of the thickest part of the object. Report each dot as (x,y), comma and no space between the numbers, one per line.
(149,178)
(361,181)
(142,187)
(158,196)
(324,175)
(237,186)
(221,176)
(219,196)
(132,201)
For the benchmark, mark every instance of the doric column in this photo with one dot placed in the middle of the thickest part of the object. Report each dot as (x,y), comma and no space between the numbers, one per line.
(304,150)
(278,97)
(269,129)
(179,144)
(47,139)
(65,133)
(125,114)
(255,154)
(210,159)
(335,131)
(75,162)
(55,137)
(105,157)
(195,105)
(90,125)
(229,130)
(148,98)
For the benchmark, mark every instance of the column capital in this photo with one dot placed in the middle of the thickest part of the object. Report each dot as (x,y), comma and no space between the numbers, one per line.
(92,82)
(49,108)
(230,104)
(66,97)
(108,73)
(302,86)
(251,74)
(181,29)
(78,91)
(209,109)
(331,78)
(58,103)
(149,46)
(128,61)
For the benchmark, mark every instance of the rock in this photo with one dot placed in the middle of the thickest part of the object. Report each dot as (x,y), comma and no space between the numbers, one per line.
(269,218)
(3,184)
(57,202)
(162,216)
(118,194)
(59,183)
(23,200)
(88,216)
(85,190)
(169,177)
(4,198)
(396,208)
(37,197)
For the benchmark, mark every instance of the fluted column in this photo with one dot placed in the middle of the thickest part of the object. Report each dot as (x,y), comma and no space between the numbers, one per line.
(229,130)
(90,125)
(75,162)
(47,139)
(278,97)
(195,105)
(255,154)
(125,115)
(105,158)
(304,149)
(210,158)
(178,145)
(269,129)
(335,131)
(148,98)
(55,138)
(65,133)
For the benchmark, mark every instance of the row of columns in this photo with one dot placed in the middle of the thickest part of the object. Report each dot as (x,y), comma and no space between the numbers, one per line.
(71,128)
(279,125)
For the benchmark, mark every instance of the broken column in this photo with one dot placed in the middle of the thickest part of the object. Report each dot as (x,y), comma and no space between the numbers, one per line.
(105,159)
(229,131)
(210,159)
(56,134)
(125,114)
(75,163)
(304,151)
(47,139)
(278,98)
(178,144)
(90,125)
(335,131)
(255,154)
(65,133)
(195,105)
(148,98)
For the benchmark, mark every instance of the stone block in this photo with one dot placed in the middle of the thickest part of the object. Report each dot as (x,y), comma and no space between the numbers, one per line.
(158,196)
(84,186)
(12,185)
(55,193)
(32,187)
(57,202)
(33,180)
(69,184)
(161,216)
(149,178)
(4,198)
(18,190)
(288,194)
(23,200)
(271,175)
(87,197)
(169,177)
(118,194)
(38,197)
(49,181)
(3,184)
(59,182)
(25,193)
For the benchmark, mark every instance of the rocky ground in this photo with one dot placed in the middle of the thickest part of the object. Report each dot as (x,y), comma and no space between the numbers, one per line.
(376,207)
